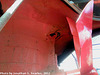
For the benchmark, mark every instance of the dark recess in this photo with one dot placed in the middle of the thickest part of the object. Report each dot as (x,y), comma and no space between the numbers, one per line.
(1,11)
(69,49)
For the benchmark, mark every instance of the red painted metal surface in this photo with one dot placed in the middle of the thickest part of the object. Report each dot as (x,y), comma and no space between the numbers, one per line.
(96,2)
(52,13)
(84,28)
(82,32)
(74,32)
(7,15)
(25,42)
